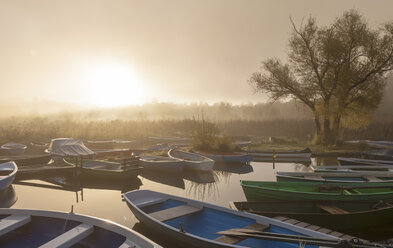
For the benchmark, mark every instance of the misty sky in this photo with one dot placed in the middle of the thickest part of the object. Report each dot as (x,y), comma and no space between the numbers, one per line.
(126,52)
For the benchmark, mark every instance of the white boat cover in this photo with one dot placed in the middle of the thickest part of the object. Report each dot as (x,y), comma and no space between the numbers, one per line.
(69,147)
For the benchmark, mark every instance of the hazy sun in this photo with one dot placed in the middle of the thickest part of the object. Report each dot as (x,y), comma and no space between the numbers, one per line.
(114,84)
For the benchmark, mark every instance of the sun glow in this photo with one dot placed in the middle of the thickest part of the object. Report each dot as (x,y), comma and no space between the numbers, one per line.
(113,84)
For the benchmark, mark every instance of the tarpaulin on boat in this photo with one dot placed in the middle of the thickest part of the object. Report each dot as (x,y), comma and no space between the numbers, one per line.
(69,147)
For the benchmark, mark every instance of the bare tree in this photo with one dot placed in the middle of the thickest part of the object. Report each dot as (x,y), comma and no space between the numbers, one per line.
(338,71)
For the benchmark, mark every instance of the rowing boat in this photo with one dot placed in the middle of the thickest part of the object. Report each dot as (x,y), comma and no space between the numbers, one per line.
(22,160)
(192,161)
(194,223)
(14,148)
(162,163)
(39,228)
(340,216)
(226,157)
(7,174)
(380,154)
(262,190)
(305,153)
(106,169)
(335,177)
(361,161)
(354,168)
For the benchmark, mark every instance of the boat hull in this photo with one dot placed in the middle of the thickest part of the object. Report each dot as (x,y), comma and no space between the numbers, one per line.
(360,214)
(192,161)
(262,191)
(199,230)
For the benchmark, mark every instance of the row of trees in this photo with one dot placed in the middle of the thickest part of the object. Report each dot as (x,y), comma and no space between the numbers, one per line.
(338,71)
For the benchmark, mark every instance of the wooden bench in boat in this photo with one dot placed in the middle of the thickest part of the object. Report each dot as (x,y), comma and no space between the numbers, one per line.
(12,222)
(149,201)
(332,209)
(372,179)
(70,237)
(175,212)
(236,239)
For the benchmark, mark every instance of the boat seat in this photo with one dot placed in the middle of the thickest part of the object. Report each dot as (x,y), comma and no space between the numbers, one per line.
(12,222)
(372,179)
(332,209)
(236,239)
(175,212)
(149,201)
(70,237)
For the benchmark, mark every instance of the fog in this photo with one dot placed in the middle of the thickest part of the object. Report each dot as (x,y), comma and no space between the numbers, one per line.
(72,52)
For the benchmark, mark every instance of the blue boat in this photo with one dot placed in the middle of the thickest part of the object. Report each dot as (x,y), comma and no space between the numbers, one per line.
(39,228)
(194,223)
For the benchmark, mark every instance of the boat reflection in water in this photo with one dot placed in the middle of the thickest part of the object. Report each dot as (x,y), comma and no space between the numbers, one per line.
(8,197)
(174,179)
(200,184)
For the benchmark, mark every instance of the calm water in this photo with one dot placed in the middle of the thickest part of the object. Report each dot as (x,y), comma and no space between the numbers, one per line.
(103,199)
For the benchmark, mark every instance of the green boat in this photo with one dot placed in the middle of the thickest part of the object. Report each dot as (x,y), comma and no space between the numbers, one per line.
(261,191)
(338,215)
(106,169)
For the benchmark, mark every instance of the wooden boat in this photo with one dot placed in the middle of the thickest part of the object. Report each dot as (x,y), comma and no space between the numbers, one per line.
(261,191)
(23,160)
(7,174)
(334,177)
(354,168)
(161,163)
(305,153)
(227,157)
(198,224)
(14,148)
(361,161)
(340,216)
(105,169)
(384,154)
(39,228)
(192,161)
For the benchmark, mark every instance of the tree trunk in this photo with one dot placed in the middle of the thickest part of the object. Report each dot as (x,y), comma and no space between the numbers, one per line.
(318,129)
(336,127)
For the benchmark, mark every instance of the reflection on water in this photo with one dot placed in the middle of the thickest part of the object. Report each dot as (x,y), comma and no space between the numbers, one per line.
(102,198)
(167,178)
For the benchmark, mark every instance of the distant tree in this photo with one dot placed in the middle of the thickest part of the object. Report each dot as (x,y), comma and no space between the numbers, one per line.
(338,71)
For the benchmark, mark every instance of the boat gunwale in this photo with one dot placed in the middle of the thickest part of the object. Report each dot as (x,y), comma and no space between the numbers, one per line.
(109,225)
(312,193)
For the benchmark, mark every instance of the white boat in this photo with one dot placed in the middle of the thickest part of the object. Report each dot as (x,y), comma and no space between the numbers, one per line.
(161,163)
(194,223)
(7,174)
(14,148)
(46,229)
(305,153)
(68,147)
(191,160)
